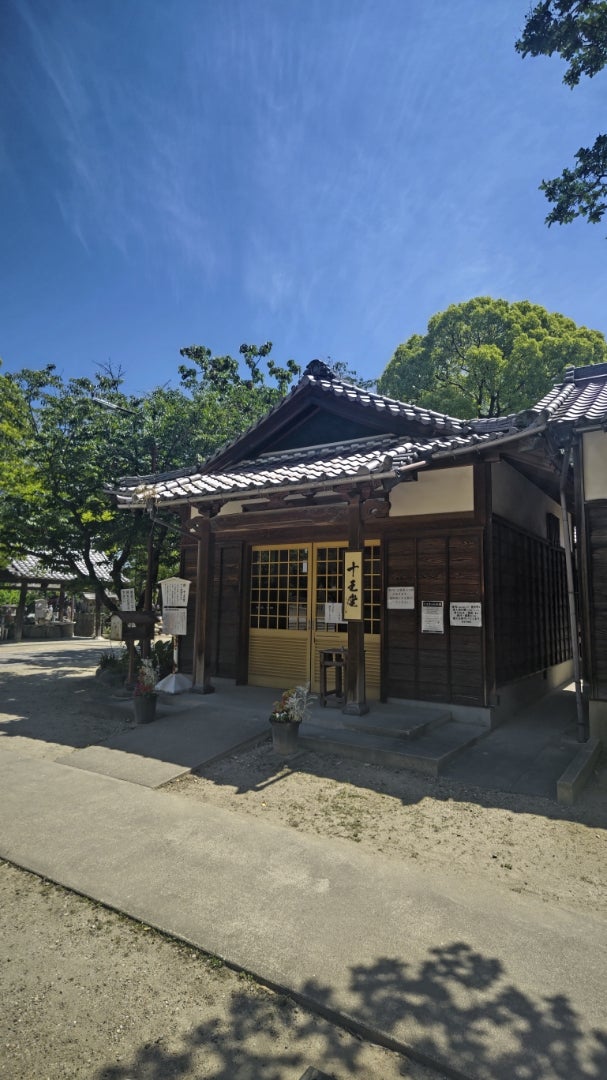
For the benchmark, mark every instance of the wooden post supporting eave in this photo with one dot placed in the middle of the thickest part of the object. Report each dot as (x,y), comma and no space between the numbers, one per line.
(203,609)
(356,701)
(20,614)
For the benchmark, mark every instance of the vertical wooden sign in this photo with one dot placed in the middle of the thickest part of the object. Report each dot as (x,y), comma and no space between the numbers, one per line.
(353,585)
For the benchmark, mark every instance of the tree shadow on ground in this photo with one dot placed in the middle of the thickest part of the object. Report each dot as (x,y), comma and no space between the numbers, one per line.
(457,1012)
(260,769)
(54,697)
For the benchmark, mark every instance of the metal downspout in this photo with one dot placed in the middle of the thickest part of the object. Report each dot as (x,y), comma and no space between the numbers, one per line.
(582,732)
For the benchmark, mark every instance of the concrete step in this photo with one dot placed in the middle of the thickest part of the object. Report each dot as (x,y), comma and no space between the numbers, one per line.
(427,754)
(411,724)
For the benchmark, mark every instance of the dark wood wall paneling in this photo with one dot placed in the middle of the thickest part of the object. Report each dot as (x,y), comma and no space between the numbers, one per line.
(435,667)
(226,606)
(530,601)
(227,589)
(596,529)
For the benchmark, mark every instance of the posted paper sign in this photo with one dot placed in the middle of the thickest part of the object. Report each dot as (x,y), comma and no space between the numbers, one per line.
(175,621)
(433,617)
(334,613)
(461,614)
(400,597)
(127,600)
(175,592)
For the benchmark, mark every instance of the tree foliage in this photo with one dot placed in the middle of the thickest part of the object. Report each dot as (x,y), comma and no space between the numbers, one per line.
(488,357)
(63,442)
(577,31)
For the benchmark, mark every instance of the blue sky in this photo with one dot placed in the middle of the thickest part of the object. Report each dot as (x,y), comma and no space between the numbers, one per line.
(325,174)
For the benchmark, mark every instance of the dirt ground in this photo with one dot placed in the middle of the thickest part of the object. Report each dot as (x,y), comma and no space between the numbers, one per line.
(88,993)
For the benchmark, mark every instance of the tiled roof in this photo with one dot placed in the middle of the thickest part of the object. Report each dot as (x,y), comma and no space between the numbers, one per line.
(342,391)
(577,400)
(582,397)
(304,468)
(32,568)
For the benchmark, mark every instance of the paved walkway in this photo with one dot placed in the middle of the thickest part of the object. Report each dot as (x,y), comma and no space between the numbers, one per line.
(190,730)
(483,982)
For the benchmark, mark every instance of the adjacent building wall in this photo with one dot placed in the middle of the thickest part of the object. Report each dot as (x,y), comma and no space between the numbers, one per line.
(441,491)
(519,501)
(594,468)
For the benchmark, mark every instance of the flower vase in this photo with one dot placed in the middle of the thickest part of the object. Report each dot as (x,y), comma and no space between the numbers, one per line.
(145,708)
(284,737)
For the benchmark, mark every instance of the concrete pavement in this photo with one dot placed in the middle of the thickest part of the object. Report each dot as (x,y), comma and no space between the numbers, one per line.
(476,980)
(190,730)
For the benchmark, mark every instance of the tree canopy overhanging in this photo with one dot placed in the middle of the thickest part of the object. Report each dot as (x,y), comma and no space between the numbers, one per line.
(63,441)
(487,357)
(577,31)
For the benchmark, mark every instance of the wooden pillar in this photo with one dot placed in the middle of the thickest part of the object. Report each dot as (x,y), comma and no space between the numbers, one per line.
(20,614)
(204,608)
(483,499)
(61,607)
(356,702)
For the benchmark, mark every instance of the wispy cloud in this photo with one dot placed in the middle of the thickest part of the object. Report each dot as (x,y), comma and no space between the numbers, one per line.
(130,166)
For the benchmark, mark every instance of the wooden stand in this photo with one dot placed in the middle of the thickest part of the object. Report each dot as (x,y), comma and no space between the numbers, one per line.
(333,660)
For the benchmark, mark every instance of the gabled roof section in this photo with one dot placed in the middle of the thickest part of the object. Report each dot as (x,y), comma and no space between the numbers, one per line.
(580,399)
(321,405)
(362,436)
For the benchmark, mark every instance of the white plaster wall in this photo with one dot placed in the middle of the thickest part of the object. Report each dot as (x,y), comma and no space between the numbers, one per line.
(594,445)
(444,491)
(518,500)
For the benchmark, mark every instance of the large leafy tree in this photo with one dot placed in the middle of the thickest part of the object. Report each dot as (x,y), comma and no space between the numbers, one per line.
(16,472)
(70,447)
(488,357)
(577,31)
(76,437)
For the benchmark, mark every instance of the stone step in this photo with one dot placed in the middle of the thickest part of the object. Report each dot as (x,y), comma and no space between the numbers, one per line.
(411,724)
(427,754)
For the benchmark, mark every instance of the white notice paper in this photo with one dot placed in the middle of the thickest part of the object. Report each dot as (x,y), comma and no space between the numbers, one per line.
(175,621)
(334,613)
(461,614)
(433,617)
(127,600)
(400,597)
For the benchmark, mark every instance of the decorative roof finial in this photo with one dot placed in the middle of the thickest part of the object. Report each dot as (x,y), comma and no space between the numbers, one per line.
(320,370)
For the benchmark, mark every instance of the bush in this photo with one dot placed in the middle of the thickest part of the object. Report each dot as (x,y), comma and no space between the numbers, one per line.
(162,655)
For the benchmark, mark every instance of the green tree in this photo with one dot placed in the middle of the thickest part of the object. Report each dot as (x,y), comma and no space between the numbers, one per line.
(577,31)
(488,357)
(62,514)
(16,474)
(76,438)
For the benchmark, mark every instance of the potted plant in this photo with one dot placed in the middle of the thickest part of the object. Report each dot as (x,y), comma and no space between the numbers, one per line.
(286,717)
(144,694)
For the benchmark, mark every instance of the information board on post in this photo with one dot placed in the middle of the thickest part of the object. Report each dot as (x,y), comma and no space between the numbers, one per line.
(175,621)
(127,600)
(175,592)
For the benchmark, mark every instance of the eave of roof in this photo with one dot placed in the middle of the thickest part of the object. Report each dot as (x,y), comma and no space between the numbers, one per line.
(302,470)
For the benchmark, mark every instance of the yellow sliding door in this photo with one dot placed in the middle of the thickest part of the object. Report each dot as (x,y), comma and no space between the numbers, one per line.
(297,610)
